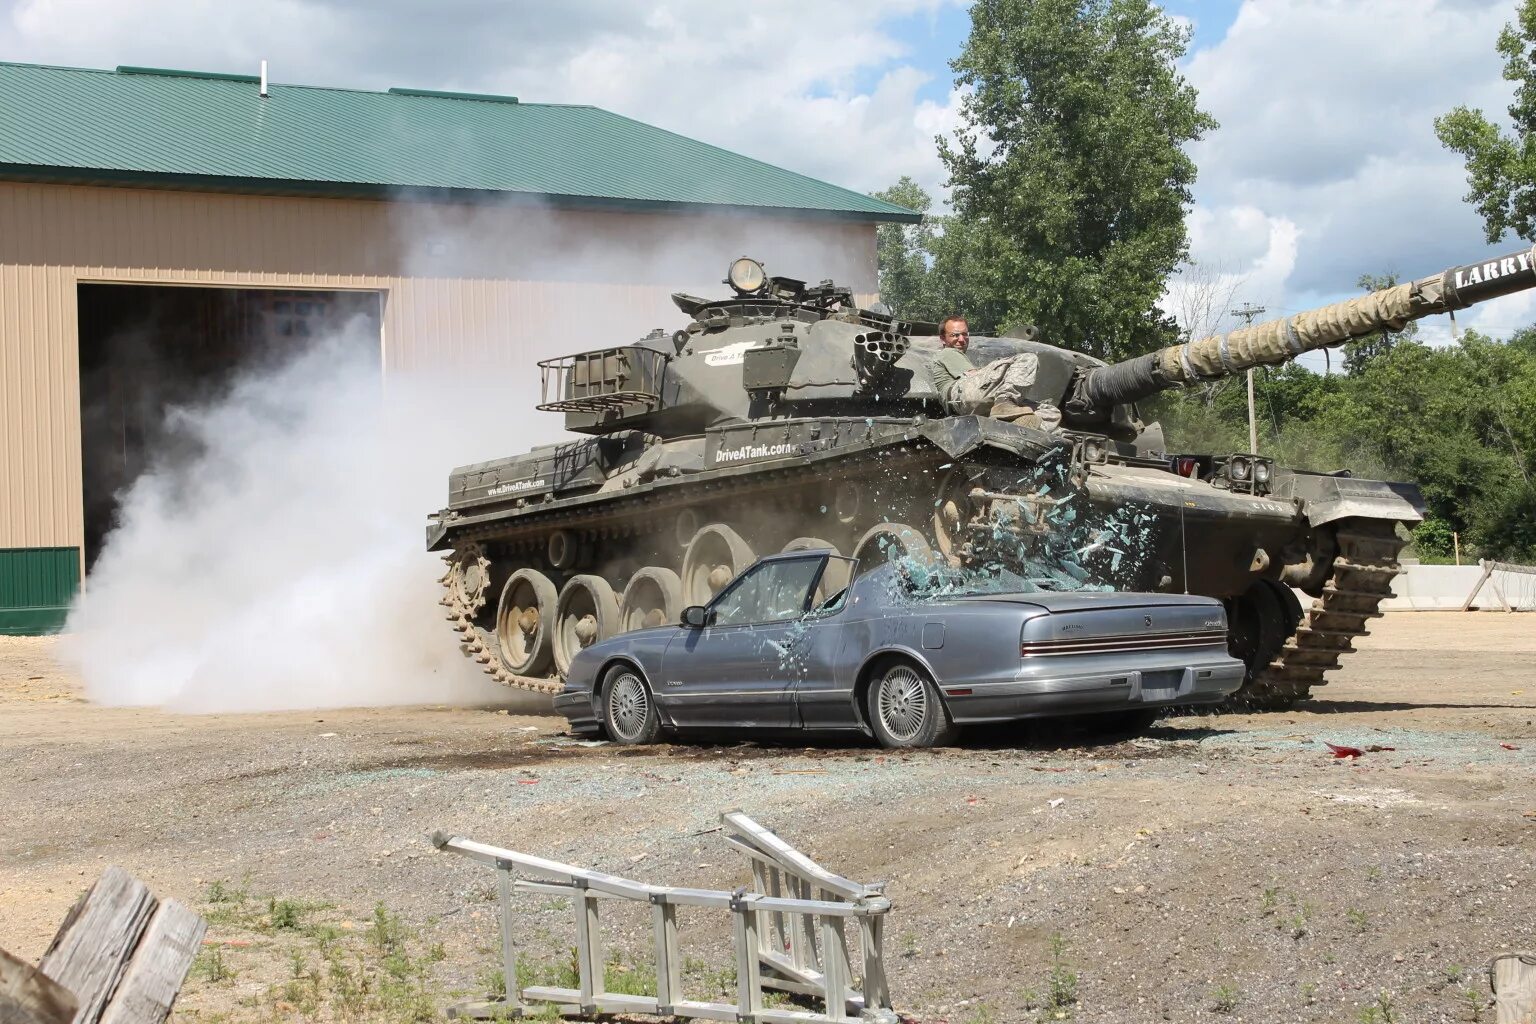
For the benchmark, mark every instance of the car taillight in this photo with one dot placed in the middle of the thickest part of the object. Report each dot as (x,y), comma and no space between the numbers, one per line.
(1186,465)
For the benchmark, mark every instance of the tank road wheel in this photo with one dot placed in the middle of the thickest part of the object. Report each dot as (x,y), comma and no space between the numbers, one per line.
(686,526)
(563,549)
(467,579)
(905,709)
(952,511)
(654,597)
(1257,624)
(834,577)
(585,613)
(1290,604)
(891,542)
(629,712)
(715,554)
(524,622)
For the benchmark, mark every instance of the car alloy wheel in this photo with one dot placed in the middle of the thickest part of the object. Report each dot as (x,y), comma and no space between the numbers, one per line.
(904,708)
(631,714)
(902,703)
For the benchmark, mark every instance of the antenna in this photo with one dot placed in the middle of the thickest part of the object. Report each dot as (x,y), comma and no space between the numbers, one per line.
(1248,312)
(263,79)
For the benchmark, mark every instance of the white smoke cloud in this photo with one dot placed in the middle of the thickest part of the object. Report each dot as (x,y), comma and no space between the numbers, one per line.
(282,563)
(273,557)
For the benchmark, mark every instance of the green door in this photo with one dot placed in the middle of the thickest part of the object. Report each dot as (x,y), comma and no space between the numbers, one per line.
(36,587)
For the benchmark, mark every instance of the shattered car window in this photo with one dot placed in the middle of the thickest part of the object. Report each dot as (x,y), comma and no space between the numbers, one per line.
(772,592)
(938,581)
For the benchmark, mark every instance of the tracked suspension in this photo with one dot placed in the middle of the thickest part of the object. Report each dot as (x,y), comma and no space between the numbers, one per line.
(466,592)
(1361,579)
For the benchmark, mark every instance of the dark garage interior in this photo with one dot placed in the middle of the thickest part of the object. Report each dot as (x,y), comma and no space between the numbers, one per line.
(147,348)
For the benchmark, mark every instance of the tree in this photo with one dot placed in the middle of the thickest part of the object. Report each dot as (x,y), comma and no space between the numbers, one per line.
(1501,168)
(1069,170)
(904,251)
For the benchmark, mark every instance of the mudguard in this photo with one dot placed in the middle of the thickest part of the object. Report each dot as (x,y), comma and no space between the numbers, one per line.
(1327,498)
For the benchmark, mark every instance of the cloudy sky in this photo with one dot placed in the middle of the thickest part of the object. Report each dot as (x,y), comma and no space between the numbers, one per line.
(1325,167)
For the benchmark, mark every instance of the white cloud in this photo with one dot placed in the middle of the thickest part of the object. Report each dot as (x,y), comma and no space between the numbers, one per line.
(824,89)
(1327,113)
(1326,105)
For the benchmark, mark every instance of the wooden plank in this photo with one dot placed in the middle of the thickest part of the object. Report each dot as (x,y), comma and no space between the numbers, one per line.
(28,996)
(778,931)
(91,949)
(708,1011)
(159,966)
(1487,572)
(1514,988)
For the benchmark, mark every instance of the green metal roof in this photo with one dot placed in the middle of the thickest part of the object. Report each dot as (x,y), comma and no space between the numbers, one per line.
(157,127)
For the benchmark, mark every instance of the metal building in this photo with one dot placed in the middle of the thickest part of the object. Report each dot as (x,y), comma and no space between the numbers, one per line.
(159,228)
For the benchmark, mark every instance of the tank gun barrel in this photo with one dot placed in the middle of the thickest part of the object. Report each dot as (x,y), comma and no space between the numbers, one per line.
(1281,340)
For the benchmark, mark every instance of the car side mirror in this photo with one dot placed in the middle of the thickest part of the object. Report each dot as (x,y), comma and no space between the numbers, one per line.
(694,616)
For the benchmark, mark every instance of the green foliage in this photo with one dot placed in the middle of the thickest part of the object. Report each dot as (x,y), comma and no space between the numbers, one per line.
(1224,998)
(1062,983)
(1381,1011)
(904,252)
(1069,173)
(1434,537)
(285,915)
(210,966)
(1501,166)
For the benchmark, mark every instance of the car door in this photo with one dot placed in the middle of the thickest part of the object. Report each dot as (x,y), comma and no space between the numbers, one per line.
(823,681)
(739,668)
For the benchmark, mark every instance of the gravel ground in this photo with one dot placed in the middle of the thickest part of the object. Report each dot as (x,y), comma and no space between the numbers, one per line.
(1218,868)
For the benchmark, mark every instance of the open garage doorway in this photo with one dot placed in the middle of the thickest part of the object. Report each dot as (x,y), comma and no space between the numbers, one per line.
(145,349)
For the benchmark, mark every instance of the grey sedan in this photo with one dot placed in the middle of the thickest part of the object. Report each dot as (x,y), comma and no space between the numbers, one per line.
(906,653)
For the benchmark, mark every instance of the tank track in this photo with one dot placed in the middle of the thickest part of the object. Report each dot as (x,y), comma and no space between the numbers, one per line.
(1361,579)
(463,606)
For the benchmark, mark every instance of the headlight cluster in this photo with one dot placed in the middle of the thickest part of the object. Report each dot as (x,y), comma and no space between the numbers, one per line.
(1092,450)
(746,276)
(1249,474)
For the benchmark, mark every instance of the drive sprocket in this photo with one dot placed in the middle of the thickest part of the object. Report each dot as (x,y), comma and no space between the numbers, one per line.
(467,585)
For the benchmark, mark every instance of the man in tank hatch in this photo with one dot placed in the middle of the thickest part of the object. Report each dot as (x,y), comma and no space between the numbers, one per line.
(997,389)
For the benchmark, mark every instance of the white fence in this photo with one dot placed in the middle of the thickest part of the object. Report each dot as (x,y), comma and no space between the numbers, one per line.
(1449,588)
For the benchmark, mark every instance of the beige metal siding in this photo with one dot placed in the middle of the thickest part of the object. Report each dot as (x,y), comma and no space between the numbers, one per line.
(491,289)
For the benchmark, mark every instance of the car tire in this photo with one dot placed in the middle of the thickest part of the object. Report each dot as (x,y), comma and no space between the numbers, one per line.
(629,710)
(904,708)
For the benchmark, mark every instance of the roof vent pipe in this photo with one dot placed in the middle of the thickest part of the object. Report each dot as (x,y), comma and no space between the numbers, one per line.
(263,78)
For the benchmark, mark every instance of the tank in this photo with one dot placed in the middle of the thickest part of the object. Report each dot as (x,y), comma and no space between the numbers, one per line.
(784,417)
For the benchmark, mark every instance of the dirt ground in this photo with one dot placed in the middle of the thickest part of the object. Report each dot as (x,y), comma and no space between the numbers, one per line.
(1222,867)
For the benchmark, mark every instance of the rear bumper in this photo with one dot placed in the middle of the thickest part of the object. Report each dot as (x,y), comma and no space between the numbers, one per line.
(1090,684)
